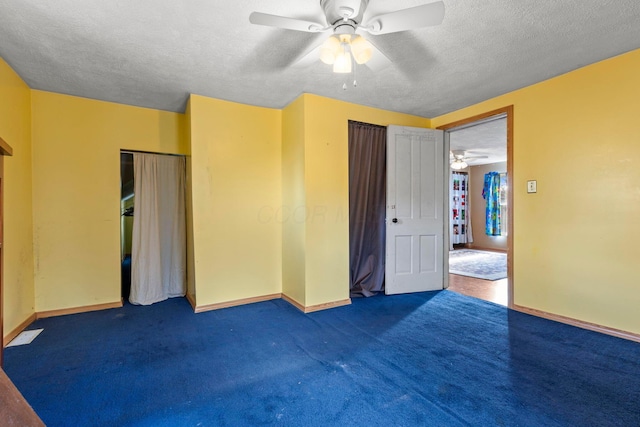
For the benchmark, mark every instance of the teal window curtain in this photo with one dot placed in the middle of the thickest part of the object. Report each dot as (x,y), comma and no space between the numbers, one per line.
(491,193)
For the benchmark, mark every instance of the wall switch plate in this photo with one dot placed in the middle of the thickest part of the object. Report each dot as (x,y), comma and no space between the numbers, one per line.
(532,186)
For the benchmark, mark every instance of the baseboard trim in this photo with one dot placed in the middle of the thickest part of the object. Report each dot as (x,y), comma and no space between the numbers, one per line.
(76,310)
(16,331)
(317,307)
(327,305)
(227,304)
(293,302)
(192,301)
(480,248)
(579,323)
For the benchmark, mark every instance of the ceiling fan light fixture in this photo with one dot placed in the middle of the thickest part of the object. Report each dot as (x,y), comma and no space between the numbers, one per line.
(342,49)
(362,50)
(329,50)
(458,164)
(342,64)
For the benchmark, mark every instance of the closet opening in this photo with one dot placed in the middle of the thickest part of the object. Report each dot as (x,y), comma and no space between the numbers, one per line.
(152,226)
(367,208)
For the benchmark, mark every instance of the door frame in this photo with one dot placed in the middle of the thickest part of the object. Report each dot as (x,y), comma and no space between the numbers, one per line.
(508,110)
(5,150)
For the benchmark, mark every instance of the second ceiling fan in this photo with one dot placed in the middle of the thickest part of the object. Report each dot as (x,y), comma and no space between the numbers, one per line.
(460,159)
(344,18)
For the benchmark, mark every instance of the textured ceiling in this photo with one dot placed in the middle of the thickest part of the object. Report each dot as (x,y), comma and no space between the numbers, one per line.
(487,138)
(153,53)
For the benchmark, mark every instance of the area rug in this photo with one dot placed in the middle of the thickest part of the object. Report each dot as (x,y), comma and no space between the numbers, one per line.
(479,264)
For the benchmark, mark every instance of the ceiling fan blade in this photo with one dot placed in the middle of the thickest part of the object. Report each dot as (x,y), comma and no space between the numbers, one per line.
(406,19)
(259,18)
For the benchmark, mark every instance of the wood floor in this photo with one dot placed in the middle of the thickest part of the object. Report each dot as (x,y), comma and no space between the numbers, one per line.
(494,291)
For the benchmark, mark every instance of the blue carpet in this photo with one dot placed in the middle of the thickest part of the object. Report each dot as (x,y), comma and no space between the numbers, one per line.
(436,358)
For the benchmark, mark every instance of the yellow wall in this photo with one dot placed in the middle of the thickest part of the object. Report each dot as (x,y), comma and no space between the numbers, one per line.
(15,129)
(575,241)
(235,173)
(76,191)
(326,189)
(478,208)
(292,213)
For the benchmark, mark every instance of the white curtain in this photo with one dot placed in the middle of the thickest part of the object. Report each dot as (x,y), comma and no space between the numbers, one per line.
(459,213)
(158,250)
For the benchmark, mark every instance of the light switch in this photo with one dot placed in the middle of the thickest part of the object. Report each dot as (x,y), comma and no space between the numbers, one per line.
(532,186)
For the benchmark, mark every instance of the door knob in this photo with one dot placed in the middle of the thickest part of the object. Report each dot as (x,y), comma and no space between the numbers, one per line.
(394,220)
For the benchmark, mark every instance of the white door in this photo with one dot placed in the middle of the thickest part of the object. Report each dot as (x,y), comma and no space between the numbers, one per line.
(415,210)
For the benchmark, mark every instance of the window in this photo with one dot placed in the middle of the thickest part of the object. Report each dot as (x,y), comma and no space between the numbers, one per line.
(504,209)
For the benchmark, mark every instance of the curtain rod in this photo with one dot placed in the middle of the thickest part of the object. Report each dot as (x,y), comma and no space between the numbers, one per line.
(366,124)
(151,152)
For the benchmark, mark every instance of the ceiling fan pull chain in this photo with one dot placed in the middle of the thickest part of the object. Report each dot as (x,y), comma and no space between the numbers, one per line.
(355,68)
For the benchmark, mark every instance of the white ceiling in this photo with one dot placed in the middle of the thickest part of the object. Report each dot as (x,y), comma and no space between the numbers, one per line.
(153,53)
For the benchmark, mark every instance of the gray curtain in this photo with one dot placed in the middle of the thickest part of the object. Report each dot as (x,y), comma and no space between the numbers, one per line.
(367,199)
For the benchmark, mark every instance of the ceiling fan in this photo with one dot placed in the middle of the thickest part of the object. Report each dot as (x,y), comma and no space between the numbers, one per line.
(460,160)
(344,18)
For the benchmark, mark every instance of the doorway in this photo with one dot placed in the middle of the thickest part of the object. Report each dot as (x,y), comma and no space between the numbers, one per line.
(153,226)
(402,205)
(367,208)
(484,144)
